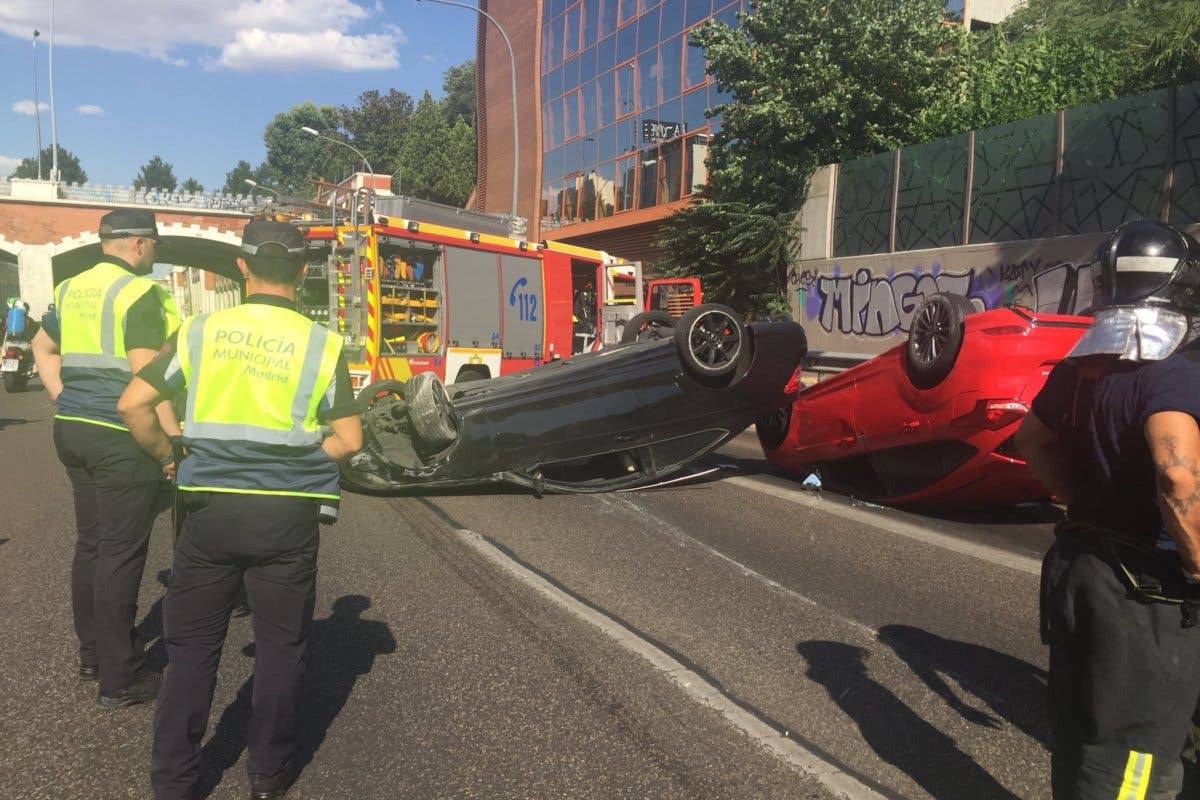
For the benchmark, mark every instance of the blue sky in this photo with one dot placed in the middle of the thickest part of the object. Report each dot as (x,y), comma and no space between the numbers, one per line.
(196,82)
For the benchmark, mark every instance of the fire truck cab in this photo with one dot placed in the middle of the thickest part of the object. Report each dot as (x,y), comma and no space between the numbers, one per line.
(415,286)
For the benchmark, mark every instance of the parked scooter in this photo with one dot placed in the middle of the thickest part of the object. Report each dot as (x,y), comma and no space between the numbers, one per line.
(17,364)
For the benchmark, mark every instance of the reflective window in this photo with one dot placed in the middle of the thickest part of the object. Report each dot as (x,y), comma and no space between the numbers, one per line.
(571,115)
(606,55)
(672,18)
(694,105)
(647,34)
(628,11)
(554,54)
(591,22)
(587,65)
(695,66)
(607,95)
(554,84)
(670,170)
(649,4)
(626,183)
(607,143)
(626,43)
(625,96)
(571,74)
(572,26)
(695,163)
(587,99)
(556,7)
(648,72)
(696,11)
(670,112)
(604,185)
(669,63)
(627,135)
(650,165)
(728,14)
(607,18)
(554,135)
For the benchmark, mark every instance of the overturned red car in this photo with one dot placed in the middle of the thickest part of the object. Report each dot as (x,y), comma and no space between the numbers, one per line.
(930,421)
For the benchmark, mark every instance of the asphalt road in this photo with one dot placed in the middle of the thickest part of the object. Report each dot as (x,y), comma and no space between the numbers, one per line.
(730,636)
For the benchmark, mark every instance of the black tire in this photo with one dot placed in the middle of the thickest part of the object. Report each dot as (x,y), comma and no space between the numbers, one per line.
(773,428)
(648,326)
(934,339)
(429,410)
(14,382)
(380,391)
(711,339)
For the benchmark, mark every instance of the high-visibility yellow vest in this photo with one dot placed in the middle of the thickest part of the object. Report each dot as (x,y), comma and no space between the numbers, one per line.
(256,376)
(92,308)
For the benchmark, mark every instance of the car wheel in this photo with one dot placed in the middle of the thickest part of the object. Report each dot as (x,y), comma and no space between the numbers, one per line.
(14,382)
(710,339)
(934,338)
(648,326)
(429,409)
(773,428)
(471,374)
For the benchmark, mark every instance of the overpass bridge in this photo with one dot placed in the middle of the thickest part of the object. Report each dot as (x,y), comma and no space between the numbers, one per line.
(48,231)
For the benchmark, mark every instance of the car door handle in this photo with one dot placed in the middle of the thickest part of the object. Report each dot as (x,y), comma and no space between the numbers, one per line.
(845,441)
(911,426)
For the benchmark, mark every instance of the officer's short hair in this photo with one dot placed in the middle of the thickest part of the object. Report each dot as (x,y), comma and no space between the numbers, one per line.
(274,251)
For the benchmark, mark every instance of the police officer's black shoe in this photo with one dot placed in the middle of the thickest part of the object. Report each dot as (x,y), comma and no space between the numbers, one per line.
(89,672)
(143,690)
(278,787)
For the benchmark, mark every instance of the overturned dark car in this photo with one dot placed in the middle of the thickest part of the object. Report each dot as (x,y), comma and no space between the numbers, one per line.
(622,417)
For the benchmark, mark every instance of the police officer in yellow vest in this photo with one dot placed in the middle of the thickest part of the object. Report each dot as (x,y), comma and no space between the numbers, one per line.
(269,413)
(109,322)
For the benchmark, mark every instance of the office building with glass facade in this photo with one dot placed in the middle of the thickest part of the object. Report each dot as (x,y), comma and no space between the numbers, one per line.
(611,102)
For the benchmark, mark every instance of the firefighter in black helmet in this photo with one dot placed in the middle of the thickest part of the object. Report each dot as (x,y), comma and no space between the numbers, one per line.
(1114,434)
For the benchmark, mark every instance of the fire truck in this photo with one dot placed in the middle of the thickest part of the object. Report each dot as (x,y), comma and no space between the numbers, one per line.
(415,286)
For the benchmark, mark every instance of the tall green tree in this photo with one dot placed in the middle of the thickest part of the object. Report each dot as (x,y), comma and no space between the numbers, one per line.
(806,87)
(156,174)
(458,84)
(68,166)
(376,126)
(295,159)
(437,157)
(235,179)
(192,185)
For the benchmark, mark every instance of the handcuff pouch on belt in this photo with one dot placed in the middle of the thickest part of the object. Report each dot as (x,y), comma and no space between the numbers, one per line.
(1151,574)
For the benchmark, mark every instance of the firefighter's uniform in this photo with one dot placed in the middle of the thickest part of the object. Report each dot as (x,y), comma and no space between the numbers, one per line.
(101,314)
(260,380)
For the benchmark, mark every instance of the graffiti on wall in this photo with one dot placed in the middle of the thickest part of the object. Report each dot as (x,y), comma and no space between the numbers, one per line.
(866,304)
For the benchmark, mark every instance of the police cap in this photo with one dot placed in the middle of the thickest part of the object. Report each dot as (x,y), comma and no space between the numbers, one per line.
(272,240)
(128,222)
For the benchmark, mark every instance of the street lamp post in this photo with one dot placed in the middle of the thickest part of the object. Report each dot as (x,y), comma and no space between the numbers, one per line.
(319,135)
(37,111)
(512,62)
(255,184)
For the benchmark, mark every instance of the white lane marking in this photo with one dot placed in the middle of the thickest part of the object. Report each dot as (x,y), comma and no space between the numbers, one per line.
(660,525)
(692,683)
(983,552)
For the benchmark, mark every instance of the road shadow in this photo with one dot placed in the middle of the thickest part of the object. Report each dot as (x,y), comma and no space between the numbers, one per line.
(150,629)
(896,733)
(340,649)
(1014,690)
(7,421)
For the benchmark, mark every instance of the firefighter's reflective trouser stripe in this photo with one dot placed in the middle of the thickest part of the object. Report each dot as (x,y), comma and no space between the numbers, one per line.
(91,308)
(257,375)
(1137,776)
(1124,675)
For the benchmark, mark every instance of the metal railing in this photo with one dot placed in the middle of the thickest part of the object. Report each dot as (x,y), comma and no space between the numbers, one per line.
(128,195)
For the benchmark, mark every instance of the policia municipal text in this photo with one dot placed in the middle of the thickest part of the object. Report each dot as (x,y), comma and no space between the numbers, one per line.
(1114,434)
(262,447)
(109,322)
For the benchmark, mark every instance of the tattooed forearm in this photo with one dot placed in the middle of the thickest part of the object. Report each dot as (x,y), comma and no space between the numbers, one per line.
(1171,470)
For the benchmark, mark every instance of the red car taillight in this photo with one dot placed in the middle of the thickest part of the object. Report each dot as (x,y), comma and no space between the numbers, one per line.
(793,386)
(12,352)
(994,414)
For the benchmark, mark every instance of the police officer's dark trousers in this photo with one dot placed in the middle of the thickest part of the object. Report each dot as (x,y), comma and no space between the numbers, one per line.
(116,489)
(268,543)
(1124,670)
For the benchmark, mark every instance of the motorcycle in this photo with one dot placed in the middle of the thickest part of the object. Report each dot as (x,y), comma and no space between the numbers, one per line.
(17,364)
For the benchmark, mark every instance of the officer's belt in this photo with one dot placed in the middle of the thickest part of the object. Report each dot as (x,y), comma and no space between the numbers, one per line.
(1152,575)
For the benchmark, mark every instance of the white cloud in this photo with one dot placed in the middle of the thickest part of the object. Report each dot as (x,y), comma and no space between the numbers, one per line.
(89,110)
(8,165)
(261,50)
(26,107)
(249,34)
